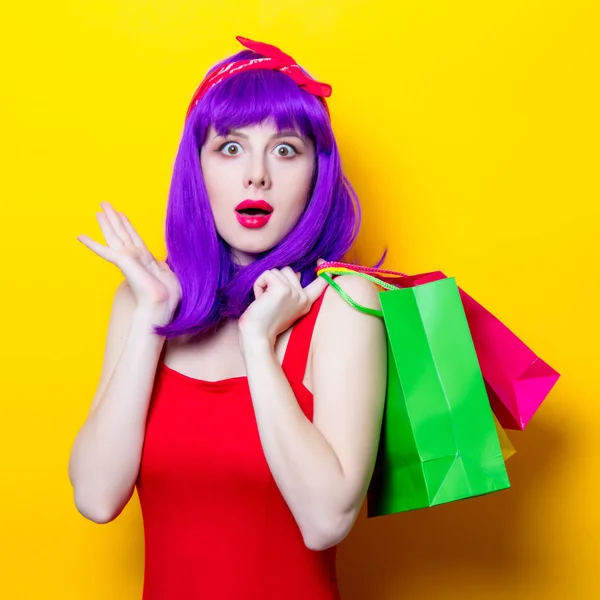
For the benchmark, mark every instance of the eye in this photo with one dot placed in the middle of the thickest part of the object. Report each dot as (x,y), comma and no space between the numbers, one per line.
(285,150)
(230,148)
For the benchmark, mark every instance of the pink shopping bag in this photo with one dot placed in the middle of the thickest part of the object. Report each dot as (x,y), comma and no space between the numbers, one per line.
(516,379)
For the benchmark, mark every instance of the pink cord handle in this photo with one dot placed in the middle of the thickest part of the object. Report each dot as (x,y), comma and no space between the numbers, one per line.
(361,269)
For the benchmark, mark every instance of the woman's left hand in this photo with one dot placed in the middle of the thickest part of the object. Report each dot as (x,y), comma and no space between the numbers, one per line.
(280,301)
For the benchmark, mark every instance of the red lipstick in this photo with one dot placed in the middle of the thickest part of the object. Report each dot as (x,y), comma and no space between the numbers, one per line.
(253,214)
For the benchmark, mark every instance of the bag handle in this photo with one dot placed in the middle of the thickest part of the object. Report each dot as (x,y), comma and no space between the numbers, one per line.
(326,272)
(361,269)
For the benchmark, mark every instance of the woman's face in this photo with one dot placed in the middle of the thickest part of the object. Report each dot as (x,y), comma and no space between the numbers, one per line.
(256,163)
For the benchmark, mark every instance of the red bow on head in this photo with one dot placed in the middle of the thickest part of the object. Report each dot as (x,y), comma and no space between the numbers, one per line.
(274,60)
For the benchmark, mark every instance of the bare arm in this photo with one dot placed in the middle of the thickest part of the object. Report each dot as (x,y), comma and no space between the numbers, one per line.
(323,468)
(106,453)
(105,456)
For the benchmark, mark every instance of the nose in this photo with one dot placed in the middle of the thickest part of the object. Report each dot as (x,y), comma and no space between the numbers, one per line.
(257,174)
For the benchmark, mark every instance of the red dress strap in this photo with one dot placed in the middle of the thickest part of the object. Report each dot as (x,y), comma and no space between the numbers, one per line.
(296,353)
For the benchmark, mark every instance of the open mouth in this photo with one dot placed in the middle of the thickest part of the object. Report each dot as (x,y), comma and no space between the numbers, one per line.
(253,208)
(251,212)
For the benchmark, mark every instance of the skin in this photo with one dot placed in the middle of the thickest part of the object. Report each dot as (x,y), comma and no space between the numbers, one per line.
(323,467)
(260,164)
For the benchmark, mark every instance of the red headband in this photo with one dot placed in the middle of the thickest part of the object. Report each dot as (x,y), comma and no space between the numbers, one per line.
(275,60)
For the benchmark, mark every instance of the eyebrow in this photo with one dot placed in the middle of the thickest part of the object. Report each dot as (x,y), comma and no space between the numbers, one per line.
(281,134)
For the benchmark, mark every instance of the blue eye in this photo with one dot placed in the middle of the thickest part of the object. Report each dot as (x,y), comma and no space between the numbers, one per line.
(285,150)
(227,148)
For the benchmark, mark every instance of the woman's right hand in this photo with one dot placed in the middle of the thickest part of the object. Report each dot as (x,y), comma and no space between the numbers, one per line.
(155,287)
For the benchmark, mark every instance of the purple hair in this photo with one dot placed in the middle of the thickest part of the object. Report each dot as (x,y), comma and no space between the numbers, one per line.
(214,286)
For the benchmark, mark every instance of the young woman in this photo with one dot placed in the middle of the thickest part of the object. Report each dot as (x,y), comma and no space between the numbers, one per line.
(239,396)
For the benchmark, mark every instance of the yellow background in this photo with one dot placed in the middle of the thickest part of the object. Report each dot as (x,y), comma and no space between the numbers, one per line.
(469,129)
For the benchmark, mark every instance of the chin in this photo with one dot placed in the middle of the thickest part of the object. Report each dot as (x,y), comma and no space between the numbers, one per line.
(251,247)
(254,241)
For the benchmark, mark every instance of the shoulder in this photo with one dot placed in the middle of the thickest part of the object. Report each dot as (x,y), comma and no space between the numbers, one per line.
(123,305)
(361,290)
(124,293)
(339,321)
(349,360)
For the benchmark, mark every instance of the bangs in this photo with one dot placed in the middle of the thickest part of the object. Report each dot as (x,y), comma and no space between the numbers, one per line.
(254,97)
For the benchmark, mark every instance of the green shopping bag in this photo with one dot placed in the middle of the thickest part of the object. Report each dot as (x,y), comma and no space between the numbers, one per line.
(438,441)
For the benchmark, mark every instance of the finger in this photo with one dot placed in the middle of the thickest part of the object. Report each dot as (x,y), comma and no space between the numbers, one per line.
(115,221)
(320,261)
(280,276)
(315,288)
(99,249)
(108,231)
(281,280)
(133,234)
(292,277)
(264,281)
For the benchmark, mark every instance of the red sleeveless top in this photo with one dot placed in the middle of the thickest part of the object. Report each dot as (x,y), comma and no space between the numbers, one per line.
(216,526)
